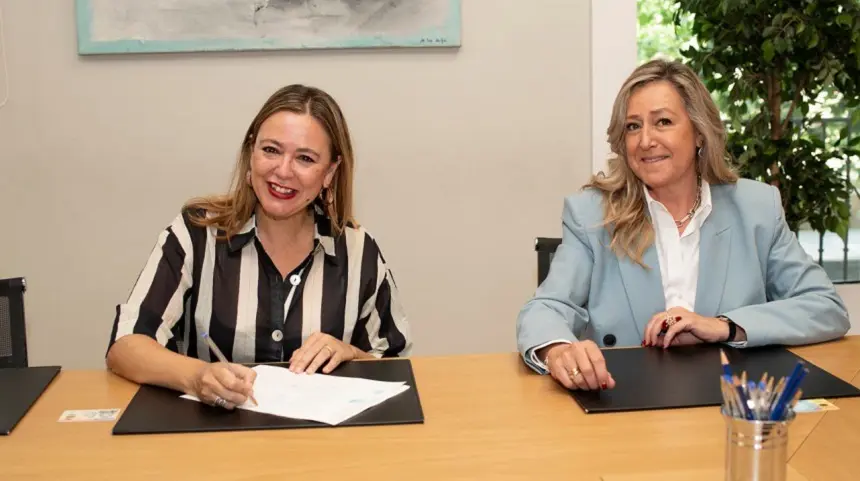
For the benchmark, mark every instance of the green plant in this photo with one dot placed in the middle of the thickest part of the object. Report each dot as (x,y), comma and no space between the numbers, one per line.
(657,35)
(775,62)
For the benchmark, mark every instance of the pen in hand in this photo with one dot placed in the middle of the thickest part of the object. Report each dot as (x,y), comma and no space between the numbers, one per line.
(221,357)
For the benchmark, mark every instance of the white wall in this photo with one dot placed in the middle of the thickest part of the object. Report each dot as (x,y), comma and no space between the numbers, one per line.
(463,158)
(851,295)
(613,57)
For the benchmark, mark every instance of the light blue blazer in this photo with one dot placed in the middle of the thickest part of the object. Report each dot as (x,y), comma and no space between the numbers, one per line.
(752,269)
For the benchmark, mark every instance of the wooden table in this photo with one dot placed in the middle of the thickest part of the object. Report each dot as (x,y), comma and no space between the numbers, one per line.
(487,417)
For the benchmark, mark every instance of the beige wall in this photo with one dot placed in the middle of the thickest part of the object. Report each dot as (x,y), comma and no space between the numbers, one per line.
(463,158)
(851,295)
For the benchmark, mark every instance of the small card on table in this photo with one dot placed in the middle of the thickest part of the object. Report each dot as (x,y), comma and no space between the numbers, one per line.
(814,406)
(83,415)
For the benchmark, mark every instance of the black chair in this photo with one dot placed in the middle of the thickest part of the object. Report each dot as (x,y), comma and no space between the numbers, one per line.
(13,333)
(545,248)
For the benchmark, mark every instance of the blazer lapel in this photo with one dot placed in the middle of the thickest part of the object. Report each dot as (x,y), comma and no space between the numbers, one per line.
(644,287)
(714,246)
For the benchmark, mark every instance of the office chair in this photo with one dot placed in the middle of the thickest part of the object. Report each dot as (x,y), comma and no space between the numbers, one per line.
(545,248)
(13,334)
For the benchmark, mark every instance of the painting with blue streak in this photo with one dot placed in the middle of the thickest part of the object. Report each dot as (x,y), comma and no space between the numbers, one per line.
(137,26)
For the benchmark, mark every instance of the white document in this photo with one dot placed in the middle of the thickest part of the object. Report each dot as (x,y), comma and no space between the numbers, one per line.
(315,397)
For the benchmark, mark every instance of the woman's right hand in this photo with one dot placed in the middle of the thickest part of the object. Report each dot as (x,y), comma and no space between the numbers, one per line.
(579,365)
(225,385)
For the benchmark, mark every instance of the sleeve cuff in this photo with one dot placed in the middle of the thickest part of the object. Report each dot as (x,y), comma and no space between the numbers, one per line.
(538,363)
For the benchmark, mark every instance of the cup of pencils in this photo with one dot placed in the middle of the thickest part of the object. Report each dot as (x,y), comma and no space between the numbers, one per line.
(757,416)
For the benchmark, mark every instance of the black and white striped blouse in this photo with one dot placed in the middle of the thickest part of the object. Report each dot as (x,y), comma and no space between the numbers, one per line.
(195,283)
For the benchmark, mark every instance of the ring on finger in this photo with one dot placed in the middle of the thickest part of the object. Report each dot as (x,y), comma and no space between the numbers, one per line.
(220,402)
(330,350)
(575,372)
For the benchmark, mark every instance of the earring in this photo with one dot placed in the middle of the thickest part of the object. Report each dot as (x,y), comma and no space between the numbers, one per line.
(326,196)
(699,152)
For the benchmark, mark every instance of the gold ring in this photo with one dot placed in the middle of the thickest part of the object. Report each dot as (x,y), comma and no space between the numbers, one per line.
(575,372)
(330,350)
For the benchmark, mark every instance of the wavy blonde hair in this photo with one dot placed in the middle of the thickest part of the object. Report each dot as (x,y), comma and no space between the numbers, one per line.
(624,208)
(230,212)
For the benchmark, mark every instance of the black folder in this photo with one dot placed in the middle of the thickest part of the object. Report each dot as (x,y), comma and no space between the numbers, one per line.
(19,390)
(155,410)
(652,378)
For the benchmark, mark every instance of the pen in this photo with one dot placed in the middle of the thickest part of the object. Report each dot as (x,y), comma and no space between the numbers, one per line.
(220,356)
(727,370)
(760,400)
(791,386)
(744,399)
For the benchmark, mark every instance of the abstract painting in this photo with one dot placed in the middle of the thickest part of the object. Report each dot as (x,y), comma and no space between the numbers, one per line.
(137,26)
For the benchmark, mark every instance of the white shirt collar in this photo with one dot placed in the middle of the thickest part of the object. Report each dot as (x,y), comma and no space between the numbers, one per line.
(702,212)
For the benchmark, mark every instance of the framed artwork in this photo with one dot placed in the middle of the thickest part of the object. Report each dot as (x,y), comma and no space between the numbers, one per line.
(142,26)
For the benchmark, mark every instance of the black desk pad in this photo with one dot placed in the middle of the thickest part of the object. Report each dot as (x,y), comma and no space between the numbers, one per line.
(20,388)
(156,410)
(652,378)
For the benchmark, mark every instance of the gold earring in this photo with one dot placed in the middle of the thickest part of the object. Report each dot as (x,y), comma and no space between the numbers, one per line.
(326,196)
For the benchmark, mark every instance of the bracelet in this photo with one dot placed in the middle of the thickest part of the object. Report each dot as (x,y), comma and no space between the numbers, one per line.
(733,328)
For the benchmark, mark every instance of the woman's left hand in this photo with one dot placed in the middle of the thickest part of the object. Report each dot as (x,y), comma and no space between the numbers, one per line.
(318,349)
(683,328)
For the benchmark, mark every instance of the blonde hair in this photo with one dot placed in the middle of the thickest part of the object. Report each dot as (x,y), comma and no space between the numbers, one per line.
(624,206)
(230,212)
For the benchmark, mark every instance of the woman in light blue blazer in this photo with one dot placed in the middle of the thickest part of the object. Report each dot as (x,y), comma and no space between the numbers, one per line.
(670,248)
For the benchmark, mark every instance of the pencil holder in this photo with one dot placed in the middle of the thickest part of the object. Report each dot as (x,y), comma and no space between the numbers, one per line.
(756,450)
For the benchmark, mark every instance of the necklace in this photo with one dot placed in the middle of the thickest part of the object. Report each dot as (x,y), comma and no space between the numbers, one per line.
(679,223)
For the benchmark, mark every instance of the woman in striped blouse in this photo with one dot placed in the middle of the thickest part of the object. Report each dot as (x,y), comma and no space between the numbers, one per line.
(275,270)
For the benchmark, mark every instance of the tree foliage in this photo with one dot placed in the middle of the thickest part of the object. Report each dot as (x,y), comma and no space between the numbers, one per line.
(773,59)
(657,33)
